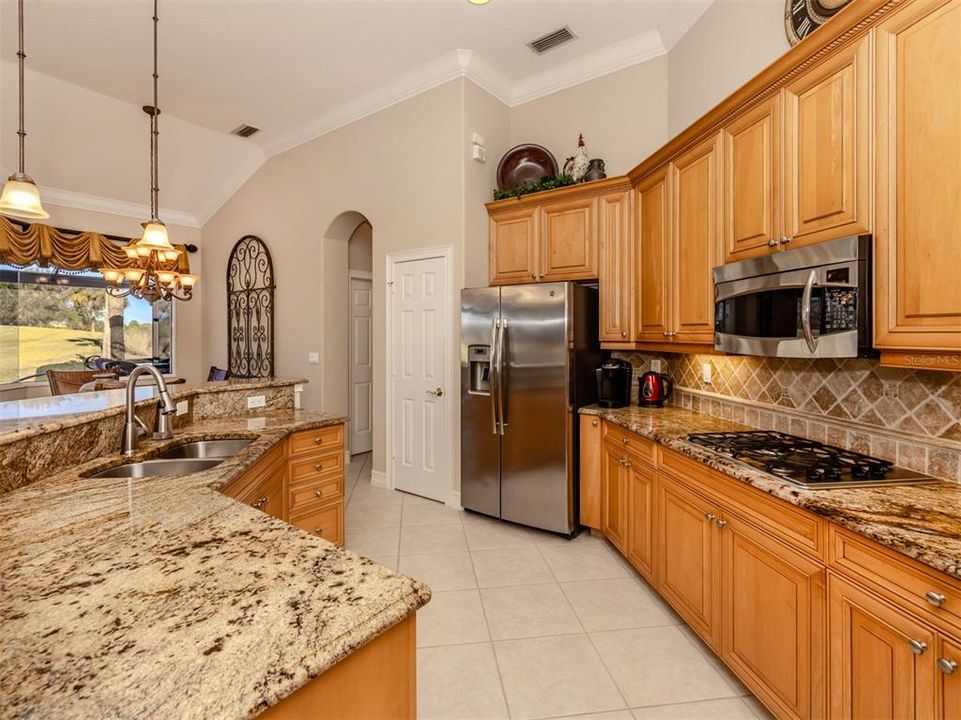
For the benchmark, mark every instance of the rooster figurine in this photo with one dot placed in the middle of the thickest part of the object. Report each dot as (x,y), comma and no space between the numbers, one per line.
(576,165)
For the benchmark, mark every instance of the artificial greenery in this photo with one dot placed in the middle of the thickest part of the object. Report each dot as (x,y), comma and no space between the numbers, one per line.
(533,186)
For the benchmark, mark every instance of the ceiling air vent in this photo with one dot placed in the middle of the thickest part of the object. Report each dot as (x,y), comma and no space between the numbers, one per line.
(245,131)
(550,41)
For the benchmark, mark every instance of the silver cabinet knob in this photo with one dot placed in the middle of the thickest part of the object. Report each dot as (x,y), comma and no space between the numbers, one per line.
(627,463)
(319,441)
(318,493)
(625,440)
(623,333)
(935,598)
(785,239)
(318,531)
(593,423)
(918,646)
(710,517)
(948,667)
(720,523)
(318,466)
(772,243)
(533,276)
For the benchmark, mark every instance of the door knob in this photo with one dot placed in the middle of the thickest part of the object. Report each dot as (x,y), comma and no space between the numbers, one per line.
(918,646)
(710,517)
(948,667)
(772,243)
(720,523)
(439,392)
(785,239)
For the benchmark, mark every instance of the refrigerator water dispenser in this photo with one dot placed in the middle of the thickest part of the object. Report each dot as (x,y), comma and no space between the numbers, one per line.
(479,360)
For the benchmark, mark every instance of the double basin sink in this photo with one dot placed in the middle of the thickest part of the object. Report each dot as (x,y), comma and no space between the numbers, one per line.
(180,460)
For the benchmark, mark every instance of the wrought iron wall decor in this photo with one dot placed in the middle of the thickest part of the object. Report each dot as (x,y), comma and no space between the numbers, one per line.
(250,309)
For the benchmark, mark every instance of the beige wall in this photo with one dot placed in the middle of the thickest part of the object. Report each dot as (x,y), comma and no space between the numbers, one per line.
(188,316)
(623,117)
(360,254)
(730,43)
(402,170)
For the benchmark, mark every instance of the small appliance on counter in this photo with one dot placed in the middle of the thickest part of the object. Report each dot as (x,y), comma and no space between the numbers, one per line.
(653,389)
(614,383)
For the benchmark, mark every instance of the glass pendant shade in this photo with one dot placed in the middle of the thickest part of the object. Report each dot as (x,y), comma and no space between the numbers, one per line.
(21,198)
(155,237)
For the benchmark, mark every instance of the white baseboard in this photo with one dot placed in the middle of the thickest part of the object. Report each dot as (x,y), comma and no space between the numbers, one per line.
(453,500)
(378,478)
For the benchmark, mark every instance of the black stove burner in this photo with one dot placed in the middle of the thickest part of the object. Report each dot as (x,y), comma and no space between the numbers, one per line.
(804,462)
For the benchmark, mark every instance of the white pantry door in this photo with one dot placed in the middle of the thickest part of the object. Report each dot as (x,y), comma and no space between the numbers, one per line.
(361,370)
(419,347)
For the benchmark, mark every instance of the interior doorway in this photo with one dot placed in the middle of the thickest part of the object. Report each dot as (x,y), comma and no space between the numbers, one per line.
(360,340)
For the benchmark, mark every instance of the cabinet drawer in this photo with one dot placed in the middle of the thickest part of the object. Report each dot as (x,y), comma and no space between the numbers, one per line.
(309,467)
(320,490)
(791,525)
(326,438)
(326,521)
(936,597)
(640,447)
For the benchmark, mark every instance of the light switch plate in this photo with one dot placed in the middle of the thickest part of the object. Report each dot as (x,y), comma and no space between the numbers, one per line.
(182,407)
(257,423)
(477,139)
(706,370)
(256,401)
(313,358)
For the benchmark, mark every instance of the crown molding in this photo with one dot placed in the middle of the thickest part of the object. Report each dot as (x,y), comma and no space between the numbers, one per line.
(242,173)
(479,71)
(96,203)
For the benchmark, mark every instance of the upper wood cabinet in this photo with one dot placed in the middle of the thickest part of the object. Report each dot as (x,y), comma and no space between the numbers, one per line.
(918,181)
(696,249)
(652,257)
(568,240)
(827,160)
(616,286)
(513,246)
(752,181)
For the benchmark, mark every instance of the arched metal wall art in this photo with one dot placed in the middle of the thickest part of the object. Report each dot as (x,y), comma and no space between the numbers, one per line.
(250,309)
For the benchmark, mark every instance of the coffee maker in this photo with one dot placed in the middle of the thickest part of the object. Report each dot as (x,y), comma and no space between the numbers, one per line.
(614,383)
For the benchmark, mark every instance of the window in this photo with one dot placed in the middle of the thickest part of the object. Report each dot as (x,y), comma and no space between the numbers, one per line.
(53,319)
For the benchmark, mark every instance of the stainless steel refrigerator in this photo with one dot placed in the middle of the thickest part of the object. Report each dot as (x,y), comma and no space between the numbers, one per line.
(528,356)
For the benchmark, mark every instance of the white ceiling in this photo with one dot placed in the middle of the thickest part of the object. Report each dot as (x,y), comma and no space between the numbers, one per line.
(296,68)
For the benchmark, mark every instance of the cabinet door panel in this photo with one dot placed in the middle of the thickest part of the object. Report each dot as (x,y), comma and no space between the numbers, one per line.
(918,181)
(697,227)
(652,257)
(326,521)
(615,271)
(592,470)
(949,682)
(827,160)
(569,240)
(873,671)
(614,506)
(687,557)
(513,246)
(640,518)
(752,193)
(767,585)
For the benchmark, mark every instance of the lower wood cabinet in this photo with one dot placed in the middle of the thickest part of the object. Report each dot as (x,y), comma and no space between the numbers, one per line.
(614,496)
(640,518)
(300,481)
(591,471)
(949,679)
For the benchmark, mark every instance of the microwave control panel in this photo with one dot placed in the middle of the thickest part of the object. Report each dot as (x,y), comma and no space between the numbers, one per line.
(840,310)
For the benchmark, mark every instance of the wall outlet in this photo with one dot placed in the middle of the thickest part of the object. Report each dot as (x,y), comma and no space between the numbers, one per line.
(256,401)
(707,373)
(257,423)
(182,407)
(656,365)
(313,358)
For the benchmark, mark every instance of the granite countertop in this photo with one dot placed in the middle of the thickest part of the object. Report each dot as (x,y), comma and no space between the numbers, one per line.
(920,521)
(161,597)
(24,418)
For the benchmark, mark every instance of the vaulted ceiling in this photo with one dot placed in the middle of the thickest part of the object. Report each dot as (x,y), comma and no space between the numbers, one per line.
(295,69)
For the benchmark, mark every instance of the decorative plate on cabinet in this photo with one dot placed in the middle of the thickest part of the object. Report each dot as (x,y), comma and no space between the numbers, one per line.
(802,17)
(523,164)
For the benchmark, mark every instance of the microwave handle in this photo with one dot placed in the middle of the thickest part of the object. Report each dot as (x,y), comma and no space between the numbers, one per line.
(806,312)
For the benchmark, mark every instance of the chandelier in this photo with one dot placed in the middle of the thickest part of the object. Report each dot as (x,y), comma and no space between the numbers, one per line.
(20,197)
(153,265)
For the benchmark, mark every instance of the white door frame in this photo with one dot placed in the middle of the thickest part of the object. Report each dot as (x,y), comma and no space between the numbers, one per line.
(443,252)
(354,275)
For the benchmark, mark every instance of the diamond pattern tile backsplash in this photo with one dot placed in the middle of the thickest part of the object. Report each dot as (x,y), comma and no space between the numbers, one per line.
(893,413)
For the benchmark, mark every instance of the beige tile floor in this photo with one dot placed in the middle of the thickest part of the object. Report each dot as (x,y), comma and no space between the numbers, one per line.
(524,624)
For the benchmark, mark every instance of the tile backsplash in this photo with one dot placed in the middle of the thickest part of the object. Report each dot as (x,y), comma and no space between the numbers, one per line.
(911,417)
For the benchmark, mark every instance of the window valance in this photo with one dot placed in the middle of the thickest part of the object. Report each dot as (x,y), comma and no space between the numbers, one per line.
(45,245)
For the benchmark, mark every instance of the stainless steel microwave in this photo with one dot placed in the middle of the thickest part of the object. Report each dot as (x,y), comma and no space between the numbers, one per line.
(810,302)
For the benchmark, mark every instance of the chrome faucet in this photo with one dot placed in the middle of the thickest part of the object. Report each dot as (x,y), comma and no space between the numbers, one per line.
(134,428)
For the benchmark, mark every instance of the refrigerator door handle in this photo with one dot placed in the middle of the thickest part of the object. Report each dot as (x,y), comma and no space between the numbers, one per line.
(501,332)
(495,426)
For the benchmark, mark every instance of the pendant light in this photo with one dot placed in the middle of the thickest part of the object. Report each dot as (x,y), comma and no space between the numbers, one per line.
(20,196)
(152,269)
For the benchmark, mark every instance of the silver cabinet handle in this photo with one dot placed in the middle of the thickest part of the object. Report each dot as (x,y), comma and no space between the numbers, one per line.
(918,646)
(710,517)
(720,523)
(439,392)
(948,667)
(935,598)
(806,312)
(318,493)
(533,276)
(318,466)
(593,423)
(666,334)
(318,441)
(625,440)
(785,239)
(623,333)
(772,243)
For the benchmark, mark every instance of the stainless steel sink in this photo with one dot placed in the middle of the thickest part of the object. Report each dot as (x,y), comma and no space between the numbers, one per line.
(207,449)
(158,467)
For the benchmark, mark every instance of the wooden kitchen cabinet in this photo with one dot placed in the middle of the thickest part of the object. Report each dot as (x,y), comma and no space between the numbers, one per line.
(918,183)
(640,547)
(652,257)
(514,246)
(752,181)
(827,156)
(949,679)
(697,219)
(591,471)
(882,660)
(687,557)
(614,496)
(568,240)
(773,619)
(616,271)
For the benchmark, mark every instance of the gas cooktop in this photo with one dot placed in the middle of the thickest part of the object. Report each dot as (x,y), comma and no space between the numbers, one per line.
(807,463)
